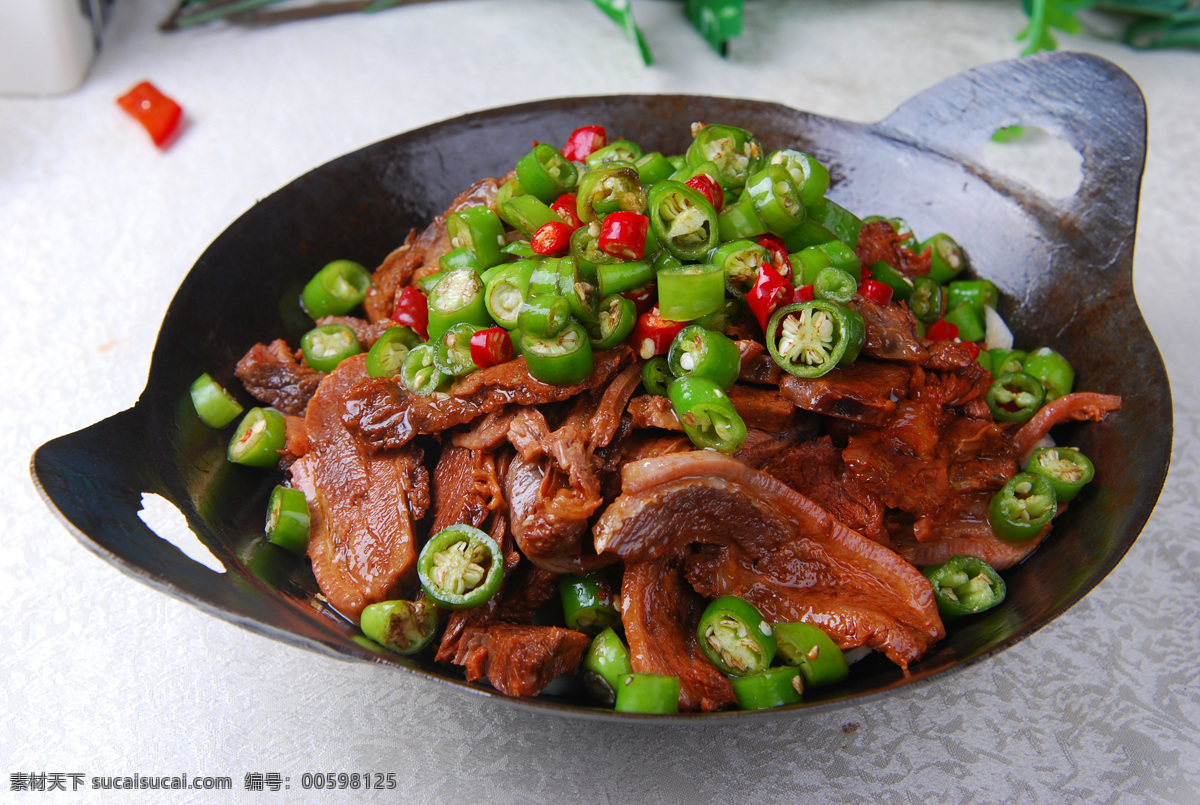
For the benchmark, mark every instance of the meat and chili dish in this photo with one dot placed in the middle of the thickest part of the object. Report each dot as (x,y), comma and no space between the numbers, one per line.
(680,425)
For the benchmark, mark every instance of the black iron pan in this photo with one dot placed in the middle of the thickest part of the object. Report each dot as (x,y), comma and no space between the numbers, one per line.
(1065,268)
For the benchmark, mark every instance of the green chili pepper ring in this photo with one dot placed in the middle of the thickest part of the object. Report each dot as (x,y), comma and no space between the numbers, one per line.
(810,338)
(965,585)
(460,567)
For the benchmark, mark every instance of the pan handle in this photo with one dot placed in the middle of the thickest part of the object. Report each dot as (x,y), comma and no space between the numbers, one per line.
(94,479)
(1082,99)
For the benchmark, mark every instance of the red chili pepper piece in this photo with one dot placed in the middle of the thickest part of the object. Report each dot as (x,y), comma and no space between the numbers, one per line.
(770,291)
(942,330)
(412,310)
(491,346)
(707,186)
(583,141)
(623,235)
(157,113)
(551,238)
(805,293)
(779,253)
(876,291)
(972,347)
(643,298)
(564,207)
(652,335)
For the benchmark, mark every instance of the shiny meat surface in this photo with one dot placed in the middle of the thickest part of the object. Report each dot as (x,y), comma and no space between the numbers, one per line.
(864,391)
(362,506)
(660,613)
(675,501)
(519,660)
(274,376)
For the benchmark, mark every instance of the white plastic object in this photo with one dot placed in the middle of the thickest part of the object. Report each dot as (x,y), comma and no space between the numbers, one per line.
(46,46)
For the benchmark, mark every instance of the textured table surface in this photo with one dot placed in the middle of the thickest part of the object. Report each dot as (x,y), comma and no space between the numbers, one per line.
(106,677)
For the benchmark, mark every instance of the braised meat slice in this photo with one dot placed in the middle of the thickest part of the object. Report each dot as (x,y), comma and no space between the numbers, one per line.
(891,332)
(814,469)
(465,488)
(757,365)
(762,408)
(273,376)
(361,505)
(387,415)
(517,659)
(878,241)
(865,391)
(966,532)
(674,501)
(660,614)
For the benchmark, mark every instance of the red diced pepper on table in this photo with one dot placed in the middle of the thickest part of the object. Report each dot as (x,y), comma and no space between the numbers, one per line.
(412,310)
(770,291)
(157,113)
(623,235)
(707,186)
(652,335)
(583,141)
(490,347)
(552,238)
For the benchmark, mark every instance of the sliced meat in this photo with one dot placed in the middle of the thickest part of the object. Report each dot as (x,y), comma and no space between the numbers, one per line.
(865,391)
(1081,405)
(660,615)
(919,485)
(489,431)
(274,376)
(968,532)
(653,411)
(814,469)
(387,415)
(671,502)
(757,365)
(891,332)
(465,488)
(362,505)
(549,517)
(517,659)
(762,408)
(878,241)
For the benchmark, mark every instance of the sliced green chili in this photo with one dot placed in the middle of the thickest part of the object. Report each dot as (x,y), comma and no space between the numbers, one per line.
(819,659)
(810,176)
(405,627)
(287,520)
(976,293)
(387,354)
(478,229)
(614,322)
(964,585)
(457,298)
(926,299)
(735,637)
(834,285)
(1015,397)
(460,567)
(546,173)
(810,338)
(604,665)
(706,413)
(657,375)
(809,261)
(740,220)
(689,291)
(1025,505)
(606,190)
(736,152)
(326,346)
(1067,469)
(740,260)
(258,438)
(544,316)
(452,350)
(462,257)
(902,287)
(419,373)
(1005,361)
(771,687)
(565,358)
(1052,370)
(946,257)
(616,151)
(506,292)
(683,220)
(647,693)
(705,353)
(824,221)
(776,199)
(336,289)
(587,603)
(968,320)
(527,214)
(215,406)
(624,276)
(653,167)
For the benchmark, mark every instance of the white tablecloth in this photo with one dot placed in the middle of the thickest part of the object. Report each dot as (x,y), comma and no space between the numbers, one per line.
(106,677)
